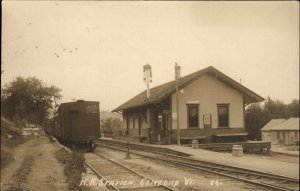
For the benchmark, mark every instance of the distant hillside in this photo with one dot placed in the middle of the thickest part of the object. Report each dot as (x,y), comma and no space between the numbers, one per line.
(107,114)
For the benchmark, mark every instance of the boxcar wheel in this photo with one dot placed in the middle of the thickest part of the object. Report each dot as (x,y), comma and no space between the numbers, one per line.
(74,146)
(92,146)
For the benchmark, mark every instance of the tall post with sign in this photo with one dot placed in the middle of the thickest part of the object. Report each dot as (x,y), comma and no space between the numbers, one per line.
(177,76)
(147,79)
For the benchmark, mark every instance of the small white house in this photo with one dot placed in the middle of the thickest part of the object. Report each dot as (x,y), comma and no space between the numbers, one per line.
(265,131)
(281,131)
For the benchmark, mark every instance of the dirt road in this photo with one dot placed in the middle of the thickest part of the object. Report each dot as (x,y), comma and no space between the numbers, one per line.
(35,167)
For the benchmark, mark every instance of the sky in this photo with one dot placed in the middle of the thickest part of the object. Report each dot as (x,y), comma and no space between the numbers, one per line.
(95,50)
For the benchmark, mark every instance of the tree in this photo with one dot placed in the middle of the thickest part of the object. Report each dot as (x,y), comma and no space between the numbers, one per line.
(258,115)
(28,99)
(293,109)
(255,119)
(111,125)
(107,125)
(275,109)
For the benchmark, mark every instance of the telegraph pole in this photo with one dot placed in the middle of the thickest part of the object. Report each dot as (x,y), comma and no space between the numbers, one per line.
(177,76)
(147,79)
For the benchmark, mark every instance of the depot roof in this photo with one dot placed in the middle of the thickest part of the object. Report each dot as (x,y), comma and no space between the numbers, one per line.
(160,92)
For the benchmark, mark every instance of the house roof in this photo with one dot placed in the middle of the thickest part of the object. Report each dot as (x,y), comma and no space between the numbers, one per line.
(290,124)
(271,124)
(160,92)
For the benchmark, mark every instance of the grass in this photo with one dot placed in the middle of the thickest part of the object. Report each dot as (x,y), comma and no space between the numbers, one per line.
(51,139)
(8,128)
(10,138)
(6,156)
(73,168)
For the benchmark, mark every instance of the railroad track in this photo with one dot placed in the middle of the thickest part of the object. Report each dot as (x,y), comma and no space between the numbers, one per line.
(116,176)
(257,178)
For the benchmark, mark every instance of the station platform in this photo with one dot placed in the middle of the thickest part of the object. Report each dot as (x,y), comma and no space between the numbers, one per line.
(247,161)
(284,150)
(264,164)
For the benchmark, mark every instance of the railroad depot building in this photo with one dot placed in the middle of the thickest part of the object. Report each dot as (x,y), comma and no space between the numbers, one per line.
(211,109)
(281,131)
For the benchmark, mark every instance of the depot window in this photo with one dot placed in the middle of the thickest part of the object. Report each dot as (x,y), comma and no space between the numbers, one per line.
(193,115)
(223,115)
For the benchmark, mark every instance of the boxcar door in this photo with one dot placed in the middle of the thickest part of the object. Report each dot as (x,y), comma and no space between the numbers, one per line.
(73,123)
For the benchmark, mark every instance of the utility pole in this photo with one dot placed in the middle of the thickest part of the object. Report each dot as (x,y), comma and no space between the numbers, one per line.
(147,79)
(177,76)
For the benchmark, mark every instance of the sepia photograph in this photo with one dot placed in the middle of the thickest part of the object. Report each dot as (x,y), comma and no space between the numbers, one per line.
(149,95)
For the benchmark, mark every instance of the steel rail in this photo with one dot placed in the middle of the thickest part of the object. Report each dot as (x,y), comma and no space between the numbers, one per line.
(127,168)
(218,166)
(256,183)
(133,171)
(101,177)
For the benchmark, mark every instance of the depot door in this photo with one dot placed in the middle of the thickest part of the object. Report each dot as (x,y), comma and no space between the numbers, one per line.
(165,128)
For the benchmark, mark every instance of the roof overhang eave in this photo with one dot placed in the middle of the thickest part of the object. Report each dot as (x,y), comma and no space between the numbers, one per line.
(254,99)
(134,106)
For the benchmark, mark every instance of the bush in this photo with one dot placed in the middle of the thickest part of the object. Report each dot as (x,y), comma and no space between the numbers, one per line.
(73,167)
(9,127)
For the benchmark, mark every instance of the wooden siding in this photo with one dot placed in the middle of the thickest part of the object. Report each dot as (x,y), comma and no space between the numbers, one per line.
(209,91)
(287,137)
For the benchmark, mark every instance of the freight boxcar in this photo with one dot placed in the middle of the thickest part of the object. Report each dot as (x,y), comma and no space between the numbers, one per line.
(77,123)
